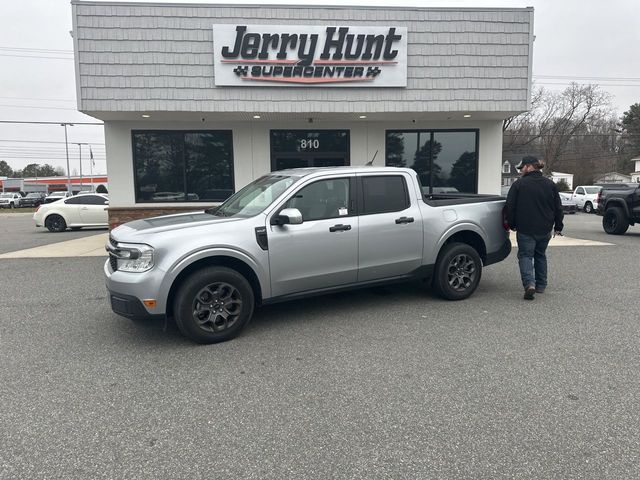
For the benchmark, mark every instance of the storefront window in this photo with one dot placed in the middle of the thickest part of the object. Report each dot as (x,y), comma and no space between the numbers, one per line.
(309,148)
(179,166)
(446,161)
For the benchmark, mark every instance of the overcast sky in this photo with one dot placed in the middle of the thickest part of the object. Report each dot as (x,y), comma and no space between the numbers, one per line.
(587,41)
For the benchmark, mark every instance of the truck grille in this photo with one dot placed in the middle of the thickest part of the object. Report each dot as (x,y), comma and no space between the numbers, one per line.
(113,261)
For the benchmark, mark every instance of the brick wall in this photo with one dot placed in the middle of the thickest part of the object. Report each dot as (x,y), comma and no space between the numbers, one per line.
(118,216)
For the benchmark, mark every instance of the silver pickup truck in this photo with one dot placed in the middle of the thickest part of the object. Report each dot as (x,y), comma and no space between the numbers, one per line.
(297,233)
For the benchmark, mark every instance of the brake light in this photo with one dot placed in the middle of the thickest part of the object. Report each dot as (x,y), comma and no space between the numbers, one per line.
(505,222)
(38,208)
(599,197)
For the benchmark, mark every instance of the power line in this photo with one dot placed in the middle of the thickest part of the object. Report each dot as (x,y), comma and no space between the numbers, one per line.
(50,123)
(23,49)
(42,108)
(35,56)
(614,79)
(8,140)
(35,98)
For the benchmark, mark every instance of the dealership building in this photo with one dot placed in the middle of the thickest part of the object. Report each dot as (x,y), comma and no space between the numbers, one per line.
(199,100)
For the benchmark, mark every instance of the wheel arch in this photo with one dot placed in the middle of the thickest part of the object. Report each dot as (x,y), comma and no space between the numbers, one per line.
(470,237)
(215,261)
(616,202)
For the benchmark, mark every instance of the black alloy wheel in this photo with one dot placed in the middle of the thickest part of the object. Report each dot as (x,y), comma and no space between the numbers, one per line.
(458,271)
(614,221)
(213,305)
(55,223)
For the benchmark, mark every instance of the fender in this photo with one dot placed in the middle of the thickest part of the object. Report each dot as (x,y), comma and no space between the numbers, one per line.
(459,227)
(617,202)
(216,251)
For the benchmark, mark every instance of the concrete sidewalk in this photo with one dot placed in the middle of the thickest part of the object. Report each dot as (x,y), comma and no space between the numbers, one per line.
(93,246)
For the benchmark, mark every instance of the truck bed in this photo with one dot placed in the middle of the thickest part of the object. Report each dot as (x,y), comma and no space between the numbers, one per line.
(446,199)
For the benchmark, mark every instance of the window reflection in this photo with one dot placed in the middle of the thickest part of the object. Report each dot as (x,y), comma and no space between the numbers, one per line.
(445,161)
(178,166)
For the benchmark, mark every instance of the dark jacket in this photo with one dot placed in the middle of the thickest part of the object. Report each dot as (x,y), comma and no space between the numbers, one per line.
(534,206)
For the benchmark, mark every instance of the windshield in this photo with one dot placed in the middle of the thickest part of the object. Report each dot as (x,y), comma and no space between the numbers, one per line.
(255,197)
(592,190)
(33,195)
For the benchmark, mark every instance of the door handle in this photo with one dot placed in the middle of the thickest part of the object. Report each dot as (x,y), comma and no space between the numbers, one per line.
(84,208)
(404,220)
(339,228)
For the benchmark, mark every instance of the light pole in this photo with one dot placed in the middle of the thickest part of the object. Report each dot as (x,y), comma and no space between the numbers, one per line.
(66,145)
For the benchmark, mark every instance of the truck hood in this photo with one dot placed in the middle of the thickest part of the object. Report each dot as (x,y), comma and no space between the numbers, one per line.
(167,223)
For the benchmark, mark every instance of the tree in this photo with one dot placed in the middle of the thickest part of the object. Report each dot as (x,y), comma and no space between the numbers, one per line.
(5,169)
(630,128)
(35,170)
(573,131)
(562,185)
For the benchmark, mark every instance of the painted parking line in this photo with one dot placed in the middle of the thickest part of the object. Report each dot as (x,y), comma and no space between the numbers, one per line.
(92,246)
(565,241)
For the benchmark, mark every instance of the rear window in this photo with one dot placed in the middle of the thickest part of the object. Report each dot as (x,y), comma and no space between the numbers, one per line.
(381,194)
(592,190)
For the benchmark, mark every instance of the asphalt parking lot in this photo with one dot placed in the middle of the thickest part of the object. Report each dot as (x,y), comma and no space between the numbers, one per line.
(391,383)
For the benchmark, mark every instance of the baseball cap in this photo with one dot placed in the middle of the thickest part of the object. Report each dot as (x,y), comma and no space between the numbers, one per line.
(527,160)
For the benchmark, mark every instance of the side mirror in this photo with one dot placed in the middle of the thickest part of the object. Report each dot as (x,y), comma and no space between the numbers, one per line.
(288,216)
(106,202)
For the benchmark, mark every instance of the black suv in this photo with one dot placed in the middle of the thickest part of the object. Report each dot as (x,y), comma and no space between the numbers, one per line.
(619,206)
(32,200)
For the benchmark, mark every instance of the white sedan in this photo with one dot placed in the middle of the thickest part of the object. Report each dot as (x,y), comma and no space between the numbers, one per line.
(73,212)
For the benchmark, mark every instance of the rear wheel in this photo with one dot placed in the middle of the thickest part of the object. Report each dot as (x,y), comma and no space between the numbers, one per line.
(458,271)
(213,305)
(614,221)
(588,207)
(55,223)
(12,206)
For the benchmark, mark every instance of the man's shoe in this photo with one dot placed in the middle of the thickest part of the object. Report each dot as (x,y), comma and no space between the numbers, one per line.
(539,289)
(529,293)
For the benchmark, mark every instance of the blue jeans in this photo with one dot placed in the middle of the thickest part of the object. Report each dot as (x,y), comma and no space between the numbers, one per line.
(532,257)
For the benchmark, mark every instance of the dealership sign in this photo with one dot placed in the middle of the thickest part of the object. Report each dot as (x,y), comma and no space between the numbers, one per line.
(283,55)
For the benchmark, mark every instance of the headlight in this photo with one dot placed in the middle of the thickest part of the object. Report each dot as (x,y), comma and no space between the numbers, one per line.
(131,257)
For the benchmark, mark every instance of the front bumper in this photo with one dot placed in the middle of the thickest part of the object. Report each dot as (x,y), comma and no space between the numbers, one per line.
(127,290)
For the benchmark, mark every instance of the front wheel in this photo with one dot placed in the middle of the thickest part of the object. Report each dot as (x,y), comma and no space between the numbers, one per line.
(588,207)
(213,305)
(457,272)
(55,223)
(614,221)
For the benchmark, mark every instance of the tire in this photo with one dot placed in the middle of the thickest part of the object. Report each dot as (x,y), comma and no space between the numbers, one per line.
(614,221)
(55,223)
(12,206)
(197,299)
(457,272)
(588,207)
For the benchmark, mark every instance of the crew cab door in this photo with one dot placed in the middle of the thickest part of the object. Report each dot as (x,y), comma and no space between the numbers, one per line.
(578,197)
(391,233)
(322,251)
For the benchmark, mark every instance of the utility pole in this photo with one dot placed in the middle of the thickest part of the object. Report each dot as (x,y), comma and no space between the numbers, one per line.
(66,145)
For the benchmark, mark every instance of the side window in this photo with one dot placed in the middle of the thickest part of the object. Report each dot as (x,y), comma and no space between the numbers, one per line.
(322,199)
(580,191)
(73,201)
(92,200)
(382,194)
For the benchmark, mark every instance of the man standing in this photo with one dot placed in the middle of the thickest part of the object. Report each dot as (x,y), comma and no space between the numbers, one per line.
(534,209)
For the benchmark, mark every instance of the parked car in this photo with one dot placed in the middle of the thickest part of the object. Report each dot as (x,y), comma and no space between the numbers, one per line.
(619,206)
(586,197)
(55,196)
(296,233)
(568,205)
(73,212)
(10,200)
(33,199)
